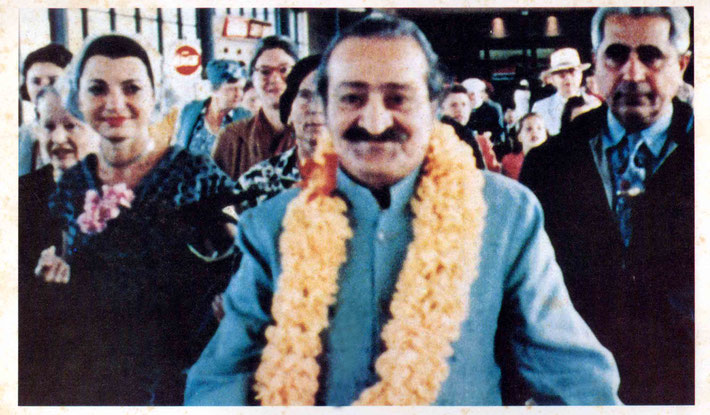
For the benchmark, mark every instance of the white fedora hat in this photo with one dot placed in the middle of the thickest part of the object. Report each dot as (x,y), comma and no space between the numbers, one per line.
(473,84)
(565,58)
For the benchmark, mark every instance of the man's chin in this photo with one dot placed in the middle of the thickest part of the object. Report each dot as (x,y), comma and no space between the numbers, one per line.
(636,118)
(374,178)
(374,152)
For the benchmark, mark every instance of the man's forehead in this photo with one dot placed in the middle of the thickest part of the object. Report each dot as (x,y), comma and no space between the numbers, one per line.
(462,96)
(391,62)
(636,30)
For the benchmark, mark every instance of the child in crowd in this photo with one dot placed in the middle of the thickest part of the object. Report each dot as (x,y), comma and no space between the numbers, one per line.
(531,133)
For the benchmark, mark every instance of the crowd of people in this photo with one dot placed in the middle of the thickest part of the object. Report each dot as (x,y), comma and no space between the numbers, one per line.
(338,229)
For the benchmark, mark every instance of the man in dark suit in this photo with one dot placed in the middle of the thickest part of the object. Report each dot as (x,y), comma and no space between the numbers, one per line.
(619,203)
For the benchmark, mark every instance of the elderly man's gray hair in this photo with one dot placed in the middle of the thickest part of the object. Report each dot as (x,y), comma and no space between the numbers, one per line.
(677,16)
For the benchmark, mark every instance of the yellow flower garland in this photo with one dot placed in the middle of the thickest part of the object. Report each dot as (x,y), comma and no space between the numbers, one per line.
(431,296)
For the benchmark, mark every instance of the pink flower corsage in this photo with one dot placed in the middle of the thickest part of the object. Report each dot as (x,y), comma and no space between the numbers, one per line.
(99,210)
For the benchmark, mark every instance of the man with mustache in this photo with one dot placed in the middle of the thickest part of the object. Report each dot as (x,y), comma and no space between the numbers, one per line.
(619,204)
(399,273)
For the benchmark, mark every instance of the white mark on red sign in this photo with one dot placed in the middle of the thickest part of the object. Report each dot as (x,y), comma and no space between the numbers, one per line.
(186,60)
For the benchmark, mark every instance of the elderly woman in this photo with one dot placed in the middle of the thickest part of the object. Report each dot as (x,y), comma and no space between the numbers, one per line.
(64,140)
(145,244)
(301,110)
(201,120)
(41,68)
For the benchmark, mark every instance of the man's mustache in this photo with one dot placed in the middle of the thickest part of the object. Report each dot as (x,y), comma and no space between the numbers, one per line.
(357,133)
(631,89)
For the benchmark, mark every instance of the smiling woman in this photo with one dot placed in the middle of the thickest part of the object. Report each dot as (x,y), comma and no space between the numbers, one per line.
(138,269)
(117,97)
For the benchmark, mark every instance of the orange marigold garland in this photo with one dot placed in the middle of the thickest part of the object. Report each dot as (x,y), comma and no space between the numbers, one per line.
(431,296)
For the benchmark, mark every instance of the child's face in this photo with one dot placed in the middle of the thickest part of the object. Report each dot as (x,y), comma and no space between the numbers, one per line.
(532,133)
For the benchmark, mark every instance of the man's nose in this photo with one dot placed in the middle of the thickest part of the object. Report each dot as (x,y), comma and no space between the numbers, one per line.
(375,118)
(634,69)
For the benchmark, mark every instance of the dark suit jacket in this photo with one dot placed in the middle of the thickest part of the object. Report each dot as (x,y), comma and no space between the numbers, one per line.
(485,118)
(639,301)
(466,135)
(37,230)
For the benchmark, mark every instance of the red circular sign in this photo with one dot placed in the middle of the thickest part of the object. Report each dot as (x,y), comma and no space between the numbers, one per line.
(187,60)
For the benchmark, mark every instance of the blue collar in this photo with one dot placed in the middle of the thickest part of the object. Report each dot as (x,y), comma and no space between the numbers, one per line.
(361,197)
(654,136)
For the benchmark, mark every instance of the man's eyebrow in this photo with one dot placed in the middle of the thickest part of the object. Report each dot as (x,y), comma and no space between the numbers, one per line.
(353,84)
(397,86)
(362,85)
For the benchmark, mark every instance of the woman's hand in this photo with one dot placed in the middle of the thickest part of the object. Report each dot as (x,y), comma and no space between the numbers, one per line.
(52,268)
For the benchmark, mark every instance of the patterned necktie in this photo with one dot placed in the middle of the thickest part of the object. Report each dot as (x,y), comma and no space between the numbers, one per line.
(629,161)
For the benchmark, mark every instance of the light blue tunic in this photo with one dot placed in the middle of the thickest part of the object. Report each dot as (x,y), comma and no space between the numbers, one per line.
(519,281)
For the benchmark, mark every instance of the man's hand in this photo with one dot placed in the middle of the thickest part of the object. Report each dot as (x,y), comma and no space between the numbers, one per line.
(52,268)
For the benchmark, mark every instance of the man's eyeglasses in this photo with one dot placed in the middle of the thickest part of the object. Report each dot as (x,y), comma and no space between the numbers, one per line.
(617,55)
(266,71)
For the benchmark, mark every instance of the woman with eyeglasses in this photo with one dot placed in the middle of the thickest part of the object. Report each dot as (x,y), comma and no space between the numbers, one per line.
(145,249)
(244,143)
